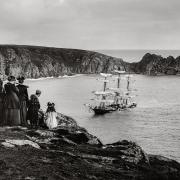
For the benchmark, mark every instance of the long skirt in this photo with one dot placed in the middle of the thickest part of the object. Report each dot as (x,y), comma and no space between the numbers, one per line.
(23,113)
(1,114)
(12,117)
(1,111)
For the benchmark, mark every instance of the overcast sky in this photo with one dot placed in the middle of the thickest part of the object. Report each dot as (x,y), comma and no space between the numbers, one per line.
(91,24)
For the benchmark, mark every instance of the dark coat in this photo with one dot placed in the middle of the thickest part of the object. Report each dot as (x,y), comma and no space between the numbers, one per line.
(24,99)
(33,109)
(1,101)
(23,93)
(11,100)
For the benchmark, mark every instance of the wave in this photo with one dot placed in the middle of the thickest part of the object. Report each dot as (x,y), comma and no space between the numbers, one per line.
(38,79)
(70,76)
(52,77)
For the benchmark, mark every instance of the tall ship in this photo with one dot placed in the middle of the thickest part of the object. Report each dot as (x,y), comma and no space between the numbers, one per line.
(111,99)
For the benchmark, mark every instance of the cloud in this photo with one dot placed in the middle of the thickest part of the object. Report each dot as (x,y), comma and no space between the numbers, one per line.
(91,24)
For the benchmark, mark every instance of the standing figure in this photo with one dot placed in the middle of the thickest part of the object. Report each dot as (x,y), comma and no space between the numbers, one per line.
(33,109)
(23,97)
(1,102)
(11,103)
(51,116)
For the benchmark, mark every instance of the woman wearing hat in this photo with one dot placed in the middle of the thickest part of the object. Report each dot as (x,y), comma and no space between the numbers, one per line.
(23,97)
(11,103)
(1,100)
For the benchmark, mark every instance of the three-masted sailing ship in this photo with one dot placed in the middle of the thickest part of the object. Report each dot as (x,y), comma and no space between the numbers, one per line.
(113,99)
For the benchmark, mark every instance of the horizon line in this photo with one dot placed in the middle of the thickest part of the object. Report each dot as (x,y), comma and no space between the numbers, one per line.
(93,49)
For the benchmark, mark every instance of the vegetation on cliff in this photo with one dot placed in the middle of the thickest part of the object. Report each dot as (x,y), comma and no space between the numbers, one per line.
(35,61)
(152,64)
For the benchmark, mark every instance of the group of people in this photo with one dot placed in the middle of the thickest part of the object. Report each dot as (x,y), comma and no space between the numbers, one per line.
(17,109)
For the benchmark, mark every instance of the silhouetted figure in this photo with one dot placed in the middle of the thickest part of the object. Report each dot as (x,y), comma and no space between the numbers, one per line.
(33,110)
(11,103)
(1,102)
(23,97)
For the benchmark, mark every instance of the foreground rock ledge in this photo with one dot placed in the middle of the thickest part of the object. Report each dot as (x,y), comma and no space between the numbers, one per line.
(69,152)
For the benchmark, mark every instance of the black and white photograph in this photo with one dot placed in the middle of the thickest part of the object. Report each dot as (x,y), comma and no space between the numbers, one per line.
(89,90)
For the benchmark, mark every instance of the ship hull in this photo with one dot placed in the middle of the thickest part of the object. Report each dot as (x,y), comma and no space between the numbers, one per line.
(100,111)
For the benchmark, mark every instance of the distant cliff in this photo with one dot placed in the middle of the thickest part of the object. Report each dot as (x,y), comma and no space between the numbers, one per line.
(35,61)
(152,64)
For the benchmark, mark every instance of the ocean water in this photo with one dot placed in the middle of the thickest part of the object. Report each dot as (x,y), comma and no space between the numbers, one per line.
(136,55)
(154,124)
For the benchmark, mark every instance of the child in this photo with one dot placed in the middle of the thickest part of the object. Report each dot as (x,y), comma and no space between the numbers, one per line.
(33,109)
(51,116)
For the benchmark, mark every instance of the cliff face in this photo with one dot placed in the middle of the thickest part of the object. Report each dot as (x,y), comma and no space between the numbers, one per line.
(152,64)
(35,62)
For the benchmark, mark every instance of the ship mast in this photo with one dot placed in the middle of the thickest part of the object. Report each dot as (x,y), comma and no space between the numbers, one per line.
(118,82)
(105,83)
(128,83)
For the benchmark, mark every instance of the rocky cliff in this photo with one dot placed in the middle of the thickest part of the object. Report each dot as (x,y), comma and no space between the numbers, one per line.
(69,152)
(35,62)
(152,64)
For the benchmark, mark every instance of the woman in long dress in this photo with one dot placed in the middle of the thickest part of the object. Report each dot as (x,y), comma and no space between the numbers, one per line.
(11,103)
(1,102)
(23,97)
(51,116)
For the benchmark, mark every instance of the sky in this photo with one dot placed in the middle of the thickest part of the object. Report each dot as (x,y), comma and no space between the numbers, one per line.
(91,24)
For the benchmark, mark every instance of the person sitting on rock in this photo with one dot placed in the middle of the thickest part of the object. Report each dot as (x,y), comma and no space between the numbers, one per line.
(51,116)
(33,109)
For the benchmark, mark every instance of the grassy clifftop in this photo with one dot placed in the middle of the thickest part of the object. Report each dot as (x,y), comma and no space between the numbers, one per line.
(36,61)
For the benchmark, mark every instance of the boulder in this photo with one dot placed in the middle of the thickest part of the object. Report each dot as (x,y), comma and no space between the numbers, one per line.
(18,142)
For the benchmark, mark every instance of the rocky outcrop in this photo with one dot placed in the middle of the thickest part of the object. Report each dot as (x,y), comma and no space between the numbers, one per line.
(70,152)
(152,64)
(35,62)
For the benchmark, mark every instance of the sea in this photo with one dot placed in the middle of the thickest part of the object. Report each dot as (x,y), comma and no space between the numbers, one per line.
(154,124)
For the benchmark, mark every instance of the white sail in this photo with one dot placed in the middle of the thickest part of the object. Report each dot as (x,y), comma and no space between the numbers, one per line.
(129,76)
(103,93)
(119,72)
(103,80)
(117,77)
(104,100)
(116,90)
(105,74)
